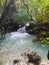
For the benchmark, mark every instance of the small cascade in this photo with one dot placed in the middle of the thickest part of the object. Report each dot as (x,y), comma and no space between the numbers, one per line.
(22,30)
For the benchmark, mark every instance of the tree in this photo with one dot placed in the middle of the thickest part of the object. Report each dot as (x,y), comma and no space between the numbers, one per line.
(37,9)
(8,10)
(7,16)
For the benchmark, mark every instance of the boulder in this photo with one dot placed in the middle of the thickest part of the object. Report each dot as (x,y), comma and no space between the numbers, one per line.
(30,28)
(29,58)
(48,55)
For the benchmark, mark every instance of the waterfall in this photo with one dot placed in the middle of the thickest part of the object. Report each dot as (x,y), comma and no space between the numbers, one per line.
(22,30)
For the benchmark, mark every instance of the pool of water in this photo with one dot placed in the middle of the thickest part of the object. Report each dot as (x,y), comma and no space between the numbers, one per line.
(16,43)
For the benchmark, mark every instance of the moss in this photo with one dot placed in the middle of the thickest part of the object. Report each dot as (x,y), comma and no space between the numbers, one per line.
(45,41)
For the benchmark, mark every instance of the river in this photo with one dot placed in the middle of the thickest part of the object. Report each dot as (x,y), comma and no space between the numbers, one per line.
(16,43)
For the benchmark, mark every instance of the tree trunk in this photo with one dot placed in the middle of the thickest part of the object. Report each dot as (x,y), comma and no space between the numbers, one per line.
(8,10)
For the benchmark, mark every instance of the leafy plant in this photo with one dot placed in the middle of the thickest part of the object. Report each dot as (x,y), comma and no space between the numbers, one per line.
(38,9)
(22,16)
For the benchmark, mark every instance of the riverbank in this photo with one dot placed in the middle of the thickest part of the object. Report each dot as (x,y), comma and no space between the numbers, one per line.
(27,58)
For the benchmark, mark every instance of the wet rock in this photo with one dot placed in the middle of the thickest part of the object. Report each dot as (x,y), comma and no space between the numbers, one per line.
(34,58)
(35,40)
(15,61)
(30,28)
(48,55)
(26,58)
(30,58)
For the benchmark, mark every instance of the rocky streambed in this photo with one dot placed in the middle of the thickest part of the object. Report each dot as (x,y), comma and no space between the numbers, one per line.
(27,58)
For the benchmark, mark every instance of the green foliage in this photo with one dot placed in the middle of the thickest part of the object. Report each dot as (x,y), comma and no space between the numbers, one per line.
(44,39)
(38,9)
(2,6)
(22,16)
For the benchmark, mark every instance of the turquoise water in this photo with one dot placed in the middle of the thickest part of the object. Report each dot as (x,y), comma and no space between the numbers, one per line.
(19,42)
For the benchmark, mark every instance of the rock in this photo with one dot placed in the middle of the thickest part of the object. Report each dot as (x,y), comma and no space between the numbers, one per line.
(15,61)
(35,40)
(34,58)
(44,62)
(30,64)
(30,28)
(30,58)
(27,58)
(22,63)
(1,63)
(48,55)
